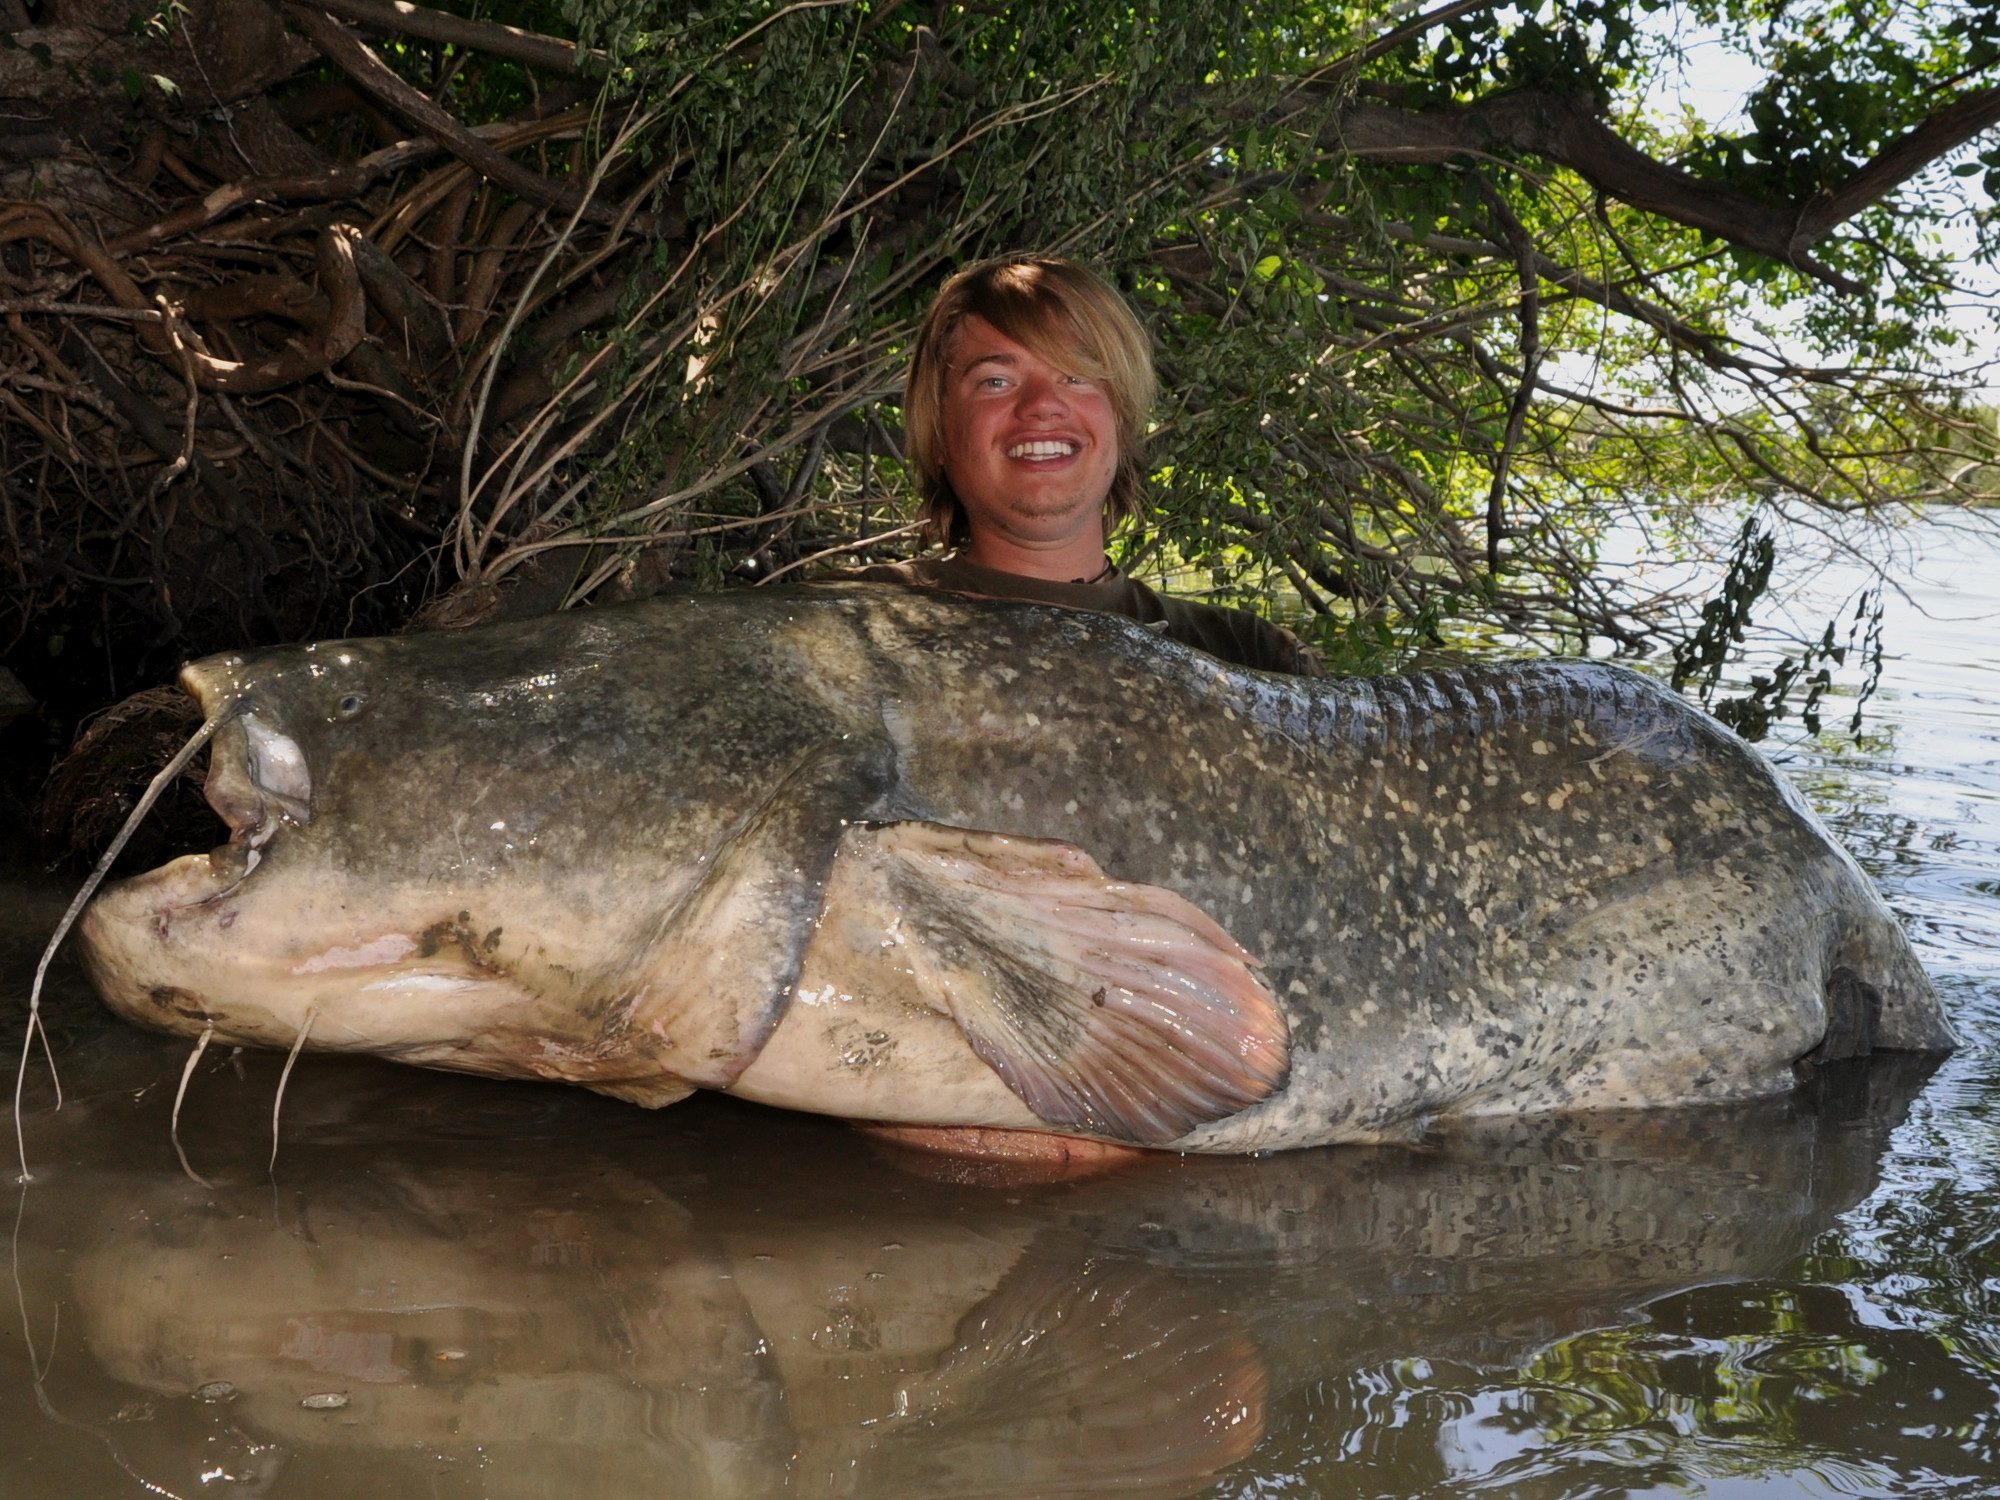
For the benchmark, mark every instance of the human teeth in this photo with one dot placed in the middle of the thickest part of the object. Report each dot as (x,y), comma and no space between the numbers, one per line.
(1041,449)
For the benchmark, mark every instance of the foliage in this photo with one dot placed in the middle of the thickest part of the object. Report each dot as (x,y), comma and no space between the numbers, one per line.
(1341,340)
(1700,658)
(1415,387)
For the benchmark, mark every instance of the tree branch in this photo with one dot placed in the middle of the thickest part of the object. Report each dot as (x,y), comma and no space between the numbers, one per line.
(346,51)
(1904,157)
(321,349)
(477,36)
(1389,41)
(333,184)
(1571,133)
(1525,257)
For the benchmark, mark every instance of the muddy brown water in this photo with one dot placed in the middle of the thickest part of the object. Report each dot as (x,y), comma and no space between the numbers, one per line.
(456,1288)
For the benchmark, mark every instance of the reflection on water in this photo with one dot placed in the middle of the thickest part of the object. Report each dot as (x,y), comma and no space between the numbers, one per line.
(518,1291)
(454,1288)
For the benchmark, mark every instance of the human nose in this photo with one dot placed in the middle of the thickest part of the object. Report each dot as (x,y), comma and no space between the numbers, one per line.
(1042,396)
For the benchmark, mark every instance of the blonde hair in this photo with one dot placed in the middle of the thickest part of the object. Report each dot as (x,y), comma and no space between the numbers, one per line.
(1063,313)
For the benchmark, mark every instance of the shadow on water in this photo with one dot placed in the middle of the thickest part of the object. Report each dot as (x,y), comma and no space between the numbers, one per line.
(455,1288)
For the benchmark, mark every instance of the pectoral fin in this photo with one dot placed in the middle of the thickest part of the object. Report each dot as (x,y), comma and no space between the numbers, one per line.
(720,972)
(1111,1008)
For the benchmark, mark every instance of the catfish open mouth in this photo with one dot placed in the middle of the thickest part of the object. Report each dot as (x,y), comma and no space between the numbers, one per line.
(257,774)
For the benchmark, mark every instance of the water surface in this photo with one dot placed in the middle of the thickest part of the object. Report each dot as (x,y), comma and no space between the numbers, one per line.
(456,1288)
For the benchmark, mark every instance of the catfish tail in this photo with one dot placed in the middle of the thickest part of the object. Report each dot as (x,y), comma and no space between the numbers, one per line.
(1878,998)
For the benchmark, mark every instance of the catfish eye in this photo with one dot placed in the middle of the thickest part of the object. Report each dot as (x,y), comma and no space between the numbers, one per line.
(350,705)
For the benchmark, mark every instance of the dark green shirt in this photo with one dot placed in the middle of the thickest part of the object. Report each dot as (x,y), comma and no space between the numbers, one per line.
(1234,635)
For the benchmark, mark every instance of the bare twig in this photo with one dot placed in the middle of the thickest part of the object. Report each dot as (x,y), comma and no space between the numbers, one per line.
(1531,360)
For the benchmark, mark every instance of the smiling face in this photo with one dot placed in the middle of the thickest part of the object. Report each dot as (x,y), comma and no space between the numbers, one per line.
(1030,448)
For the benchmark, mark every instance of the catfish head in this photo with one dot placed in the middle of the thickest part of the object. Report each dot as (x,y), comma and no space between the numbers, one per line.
(621,848)
(382,886)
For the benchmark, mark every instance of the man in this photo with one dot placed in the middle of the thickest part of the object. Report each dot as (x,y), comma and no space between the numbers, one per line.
(1025,422)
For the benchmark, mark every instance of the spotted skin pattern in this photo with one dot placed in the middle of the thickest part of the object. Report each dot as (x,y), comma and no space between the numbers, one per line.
(625,838)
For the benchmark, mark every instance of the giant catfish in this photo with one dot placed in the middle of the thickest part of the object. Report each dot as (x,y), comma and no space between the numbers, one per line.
(910,857)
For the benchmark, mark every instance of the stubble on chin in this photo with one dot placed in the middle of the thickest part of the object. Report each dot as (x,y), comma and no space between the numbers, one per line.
(1051,507)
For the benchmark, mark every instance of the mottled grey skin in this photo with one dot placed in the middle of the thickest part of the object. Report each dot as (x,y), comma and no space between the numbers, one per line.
(1498,890)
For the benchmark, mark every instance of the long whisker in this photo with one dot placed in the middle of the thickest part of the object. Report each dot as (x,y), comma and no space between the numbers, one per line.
(151,795)
(174,1125)
(277,1104)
